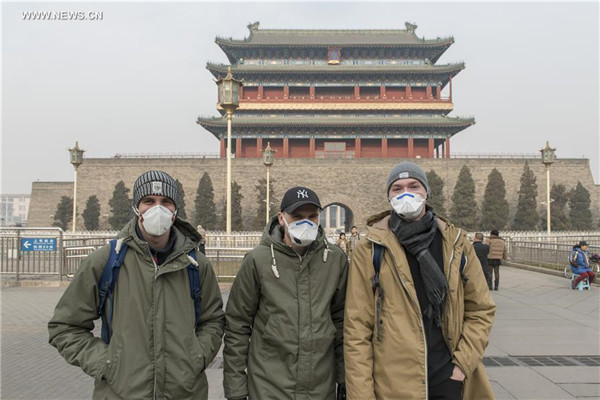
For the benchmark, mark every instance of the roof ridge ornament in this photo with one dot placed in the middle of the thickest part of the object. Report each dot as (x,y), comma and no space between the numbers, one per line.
(410,28)
(253,26)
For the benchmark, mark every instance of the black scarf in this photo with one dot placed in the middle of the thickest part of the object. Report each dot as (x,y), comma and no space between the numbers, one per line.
(416,237)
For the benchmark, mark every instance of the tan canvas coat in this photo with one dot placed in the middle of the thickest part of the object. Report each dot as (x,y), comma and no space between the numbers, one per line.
(396,366)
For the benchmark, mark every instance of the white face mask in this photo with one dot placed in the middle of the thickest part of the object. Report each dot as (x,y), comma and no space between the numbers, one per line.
(302,232)
(157,220)
(408,205)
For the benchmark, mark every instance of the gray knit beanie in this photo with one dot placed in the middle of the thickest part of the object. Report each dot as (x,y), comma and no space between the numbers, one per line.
(157,183)
(407,170)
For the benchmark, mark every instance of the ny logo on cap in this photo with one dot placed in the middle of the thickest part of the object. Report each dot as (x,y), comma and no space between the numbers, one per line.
(403,175)
(157,187)
(302,194)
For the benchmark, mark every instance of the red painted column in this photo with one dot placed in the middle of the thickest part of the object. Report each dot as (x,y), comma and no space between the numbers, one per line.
(357,92)
(311,92)
(259,147)
(384,148)
(408,92)
(241,94)
(238,148)
(357,149)
(428,92)
(286,148)
(311,147)
(448,148)
(411,148)
(286,92)
(382,93)
(438,92)
(222,153)
(261,92)
(430,150)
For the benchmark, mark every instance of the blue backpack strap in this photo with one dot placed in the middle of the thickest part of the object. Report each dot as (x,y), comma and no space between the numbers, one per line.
(195,291)
(106,285)
(463,263)
(378,251)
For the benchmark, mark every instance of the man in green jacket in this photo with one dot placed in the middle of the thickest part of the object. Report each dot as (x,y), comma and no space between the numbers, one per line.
(155,351)
(284,316)
(420,330)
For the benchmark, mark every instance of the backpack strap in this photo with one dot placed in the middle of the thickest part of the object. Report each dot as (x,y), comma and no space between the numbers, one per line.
(378,251)
(195,291)
(463,263)
(106,285)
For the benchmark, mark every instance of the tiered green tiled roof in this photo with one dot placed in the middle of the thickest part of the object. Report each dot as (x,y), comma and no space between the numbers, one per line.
(324,38)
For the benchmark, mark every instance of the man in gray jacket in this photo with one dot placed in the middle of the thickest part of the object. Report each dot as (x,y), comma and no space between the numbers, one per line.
(157,348)
(284,316)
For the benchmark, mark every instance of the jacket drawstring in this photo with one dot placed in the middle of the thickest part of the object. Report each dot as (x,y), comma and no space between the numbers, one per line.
(274,265)
(325,250)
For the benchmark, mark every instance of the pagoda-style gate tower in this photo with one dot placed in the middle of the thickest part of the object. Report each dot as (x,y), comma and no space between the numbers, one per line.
(339,94)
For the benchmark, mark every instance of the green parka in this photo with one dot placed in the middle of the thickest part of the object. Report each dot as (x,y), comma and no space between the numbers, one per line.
(395,367)
(154,352)
(286,331)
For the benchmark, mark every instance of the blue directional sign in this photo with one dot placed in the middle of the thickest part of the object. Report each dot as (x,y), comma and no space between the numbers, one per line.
(38,244)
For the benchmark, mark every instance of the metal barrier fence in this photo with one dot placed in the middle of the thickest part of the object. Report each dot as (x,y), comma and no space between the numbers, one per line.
(544,254)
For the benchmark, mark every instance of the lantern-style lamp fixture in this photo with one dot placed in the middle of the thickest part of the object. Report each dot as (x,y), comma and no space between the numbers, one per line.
(76,155)
(229,91)
(548,154)
(268,155)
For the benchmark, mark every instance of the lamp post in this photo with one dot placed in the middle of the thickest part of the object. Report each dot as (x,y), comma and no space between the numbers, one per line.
(229,100)
(76,160)
(268,159)
(547,160)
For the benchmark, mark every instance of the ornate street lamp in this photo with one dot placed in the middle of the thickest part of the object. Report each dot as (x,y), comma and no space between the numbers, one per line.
(268,159)
(547,160)
(76,159)
(229,100)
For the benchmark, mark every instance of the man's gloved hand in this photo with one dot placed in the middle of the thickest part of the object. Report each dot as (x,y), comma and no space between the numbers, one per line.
(341,391)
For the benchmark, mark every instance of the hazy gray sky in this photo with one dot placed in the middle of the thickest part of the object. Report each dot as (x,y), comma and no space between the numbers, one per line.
(135,81)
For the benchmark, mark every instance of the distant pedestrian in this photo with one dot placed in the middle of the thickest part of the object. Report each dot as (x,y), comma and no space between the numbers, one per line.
(202,245)
(580,264)
(482,250)
(157,339)
(353,240)
(496,255)
(343,242)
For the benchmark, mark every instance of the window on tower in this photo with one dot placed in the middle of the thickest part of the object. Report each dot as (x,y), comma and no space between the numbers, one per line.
(334,55)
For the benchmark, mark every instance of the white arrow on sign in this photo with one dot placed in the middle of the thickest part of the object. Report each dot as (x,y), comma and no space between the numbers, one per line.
(27,244)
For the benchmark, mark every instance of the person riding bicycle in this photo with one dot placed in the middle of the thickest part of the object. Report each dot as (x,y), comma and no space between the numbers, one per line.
(580,264)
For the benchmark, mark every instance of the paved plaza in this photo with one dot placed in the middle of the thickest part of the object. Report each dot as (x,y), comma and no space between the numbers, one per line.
(545,343)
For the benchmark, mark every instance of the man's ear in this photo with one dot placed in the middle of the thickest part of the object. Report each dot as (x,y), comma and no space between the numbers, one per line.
(280,218)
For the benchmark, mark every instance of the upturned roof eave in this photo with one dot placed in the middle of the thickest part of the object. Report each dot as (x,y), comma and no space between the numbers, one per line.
(310,121)
(452,69)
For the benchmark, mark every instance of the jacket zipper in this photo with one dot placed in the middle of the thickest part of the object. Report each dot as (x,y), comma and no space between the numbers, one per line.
(153,323)
(447,280)
(420,316)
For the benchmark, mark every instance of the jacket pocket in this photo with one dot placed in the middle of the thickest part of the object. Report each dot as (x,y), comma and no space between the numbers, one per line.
(323,338)
(192,365)
(279,337)
(111,364)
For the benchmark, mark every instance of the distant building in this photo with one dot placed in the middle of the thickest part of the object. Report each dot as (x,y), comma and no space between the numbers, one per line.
(13,209)
(339,94)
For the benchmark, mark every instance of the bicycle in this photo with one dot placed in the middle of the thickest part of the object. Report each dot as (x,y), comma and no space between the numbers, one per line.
(594,266)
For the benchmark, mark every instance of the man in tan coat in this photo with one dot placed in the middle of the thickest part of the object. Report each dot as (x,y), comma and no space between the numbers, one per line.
(419,327)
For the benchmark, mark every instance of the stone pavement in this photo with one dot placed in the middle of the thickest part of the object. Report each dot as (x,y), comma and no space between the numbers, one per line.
(545,343)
